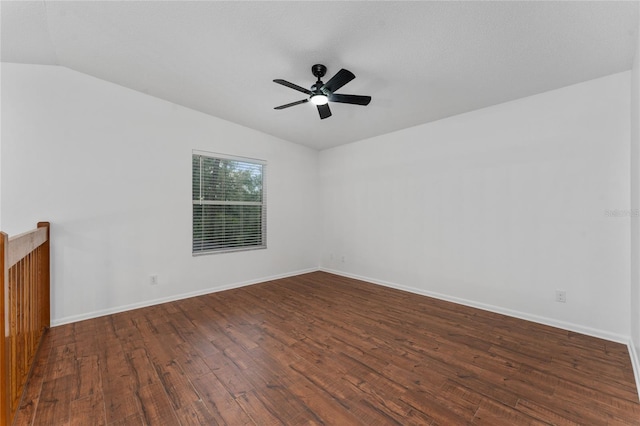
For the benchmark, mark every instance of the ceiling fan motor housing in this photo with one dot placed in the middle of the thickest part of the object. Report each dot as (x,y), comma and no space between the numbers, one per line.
(319,70)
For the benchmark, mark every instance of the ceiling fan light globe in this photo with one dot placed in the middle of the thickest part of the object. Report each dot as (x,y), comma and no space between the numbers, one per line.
(319,99)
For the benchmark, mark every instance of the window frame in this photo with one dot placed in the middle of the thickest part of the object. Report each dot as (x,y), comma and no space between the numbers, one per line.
(263,203)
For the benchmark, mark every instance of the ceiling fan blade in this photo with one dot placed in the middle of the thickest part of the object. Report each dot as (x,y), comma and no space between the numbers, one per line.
(341,78)
(350,99)
(293,86)
(292,104)
(324,111)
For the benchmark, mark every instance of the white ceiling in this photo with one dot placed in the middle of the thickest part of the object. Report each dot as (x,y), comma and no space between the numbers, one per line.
(420,61)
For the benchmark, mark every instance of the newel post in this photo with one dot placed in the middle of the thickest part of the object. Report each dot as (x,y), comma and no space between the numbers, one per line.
(45,277)
(5,412)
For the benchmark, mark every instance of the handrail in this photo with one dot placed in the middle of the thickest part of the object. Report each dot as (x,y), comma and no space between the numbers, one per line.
(25,316)
(23,244)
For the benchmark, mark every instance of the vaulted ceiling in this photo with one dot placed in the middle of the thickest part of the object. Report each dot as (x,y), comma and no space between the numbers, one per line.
(420,61)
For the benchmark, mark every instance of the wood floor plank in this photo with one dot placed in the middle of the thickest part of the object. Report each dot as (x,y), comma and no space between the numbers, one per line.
(191,361)
(132,420)
(53,406)
(176,385)
(117,384)
(495,414)
(196,414)
(327,409)
(555,415)
(89,378)
(88,407)
(230,375)
(31,397)
(221,405)
(156,406)
(256,410)
(141,366)
(320,349)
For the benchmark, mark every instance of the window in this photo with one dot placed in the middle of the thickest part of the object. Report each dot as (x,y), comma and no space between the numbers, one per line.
(229,203)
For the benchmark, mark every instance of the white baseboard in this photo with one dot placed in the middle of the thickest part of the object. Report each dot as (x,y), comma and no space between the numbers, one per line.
(146,303)
(602,334)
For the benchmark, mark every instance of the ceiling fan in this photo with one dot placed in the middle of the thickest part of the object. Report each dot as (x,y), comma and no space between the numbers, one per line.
(323,93)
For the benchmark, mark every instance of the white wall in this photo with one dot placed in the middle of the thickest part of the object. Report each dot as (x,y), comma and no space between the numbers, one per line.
(635,204)
(1,228)
(495,208)
(110,168)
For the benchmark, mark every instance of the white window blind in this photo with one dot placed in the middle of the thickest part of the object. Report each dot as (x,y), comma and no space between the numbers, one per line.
(229,203)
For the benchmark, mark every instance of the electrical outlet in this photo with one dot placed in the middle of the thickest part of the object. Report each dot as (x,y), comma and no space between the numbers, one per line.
(561,296)
(153,279)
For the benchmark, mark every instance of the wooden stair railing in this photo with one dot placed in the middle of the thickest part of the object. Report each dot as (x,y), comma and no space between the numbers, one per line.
(24,299)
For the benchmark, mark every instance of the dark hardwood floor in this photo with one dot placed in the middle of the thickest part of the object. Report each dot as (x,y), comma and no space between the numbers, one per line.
(321,349)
